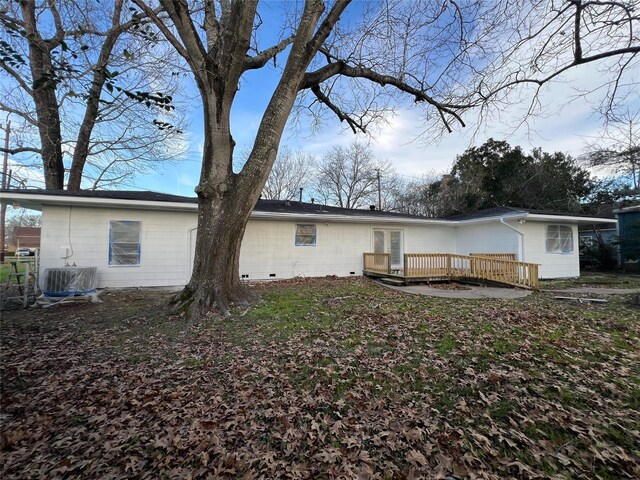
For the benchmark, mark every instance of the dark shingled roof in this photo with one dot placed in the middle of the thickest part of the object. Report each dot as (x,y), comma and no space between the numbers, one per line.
(487,212)
(293,207)
(503,211)
(114,194)
(275,206)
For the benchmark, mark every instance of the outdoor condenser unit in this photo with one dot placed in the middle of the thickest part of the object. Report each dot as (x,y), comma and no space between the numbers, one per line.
(65,281)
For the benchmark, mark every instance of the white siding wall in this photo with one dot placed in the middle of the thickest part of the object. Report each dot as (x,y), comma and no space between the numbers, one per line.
(487,237)
(167,239)
(269,247)
(84,232)
(552,265)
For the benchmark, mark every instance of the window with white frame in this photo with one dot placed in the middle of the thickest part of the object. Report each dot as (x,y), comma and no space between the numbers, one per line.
(124,242)
(305,235)
(559,239)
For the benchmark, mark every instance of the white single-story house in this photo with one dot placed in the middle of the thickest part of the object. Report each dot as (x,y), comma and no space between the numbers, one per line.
(145,239)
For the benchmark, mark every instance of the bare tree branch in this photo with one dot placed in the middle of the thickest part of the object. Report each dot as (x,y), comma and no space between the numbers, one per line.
(355,126)
(17,77)
(171,38)
(341,68)
(14,151)
(261,59)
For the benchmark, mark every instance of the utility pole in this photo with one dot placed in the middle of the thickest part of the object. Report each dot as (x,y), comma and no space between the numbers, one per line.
(633,152)
(379,190)
(3,208)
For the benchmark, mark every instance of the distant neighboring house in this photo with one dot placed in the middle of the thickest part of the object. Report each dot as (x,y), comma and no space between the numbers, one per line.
(25,237)
(144,239)
(629,233)
(588,236)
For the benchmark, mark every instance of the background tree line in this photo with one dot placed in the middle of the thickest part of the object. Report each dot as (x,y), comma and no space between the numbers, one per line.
(493,174)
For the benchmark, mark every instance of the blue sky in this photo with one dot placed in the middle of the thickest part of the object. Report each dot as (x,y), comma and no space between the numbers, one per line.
(566,127)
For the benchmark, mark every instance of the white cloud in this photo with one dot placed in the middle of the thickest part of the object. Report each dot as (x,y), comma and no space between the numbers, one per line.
(25,175)
(564,121)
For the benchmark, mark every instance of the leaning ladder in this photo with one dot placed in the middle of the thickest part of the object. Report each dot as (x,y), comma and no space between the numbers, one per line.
(21,286)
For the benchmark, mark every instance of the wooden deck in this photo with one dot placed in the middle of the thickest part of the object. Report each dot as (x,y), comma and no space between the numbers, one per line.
(417,267)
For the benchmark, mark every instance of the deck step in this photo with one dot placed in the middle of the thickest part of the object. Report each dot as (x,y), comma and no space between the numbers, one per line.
(392,281)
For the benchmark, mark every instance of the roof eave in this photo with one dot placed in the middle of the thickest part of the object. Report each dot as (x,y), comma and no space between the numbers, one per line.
(569,218)
(36,201)
(332,217)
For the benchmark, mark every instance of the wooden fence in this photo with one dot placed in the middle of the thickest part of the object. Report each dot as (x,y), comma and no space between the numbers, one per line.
(430,265)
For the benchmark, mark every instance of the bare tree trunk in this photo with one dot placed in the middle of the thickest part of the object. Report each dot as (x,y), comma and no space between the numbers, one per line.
(215,282)
(44,98)
(223,212)
(81,151)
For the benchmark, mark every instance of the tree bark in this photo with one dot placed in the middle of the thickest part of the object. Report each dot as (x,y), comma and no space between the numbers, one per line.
(83,141)
(223,212)
(226,199)
(215,283)
(44,98)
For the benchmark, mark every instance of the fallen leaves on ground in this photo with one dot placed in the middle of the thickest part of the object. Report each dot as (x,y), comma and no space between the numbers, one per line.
(325,378)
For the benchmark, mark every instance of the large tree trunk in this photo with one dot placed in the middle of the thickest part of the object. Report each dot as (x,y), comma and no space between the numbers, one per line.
(226,199)
(215,282)
(223,212)
(44,98)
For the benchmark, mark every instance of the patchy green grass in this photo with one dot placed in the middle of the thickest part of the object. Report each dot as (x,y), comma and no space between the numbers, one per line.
(4,268)
(591,280)
(323,378)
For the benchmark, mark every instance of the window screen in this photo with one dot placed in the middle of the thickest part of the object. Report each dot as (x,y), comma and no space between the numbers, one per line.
(124,242)
(559,239)
(305,235)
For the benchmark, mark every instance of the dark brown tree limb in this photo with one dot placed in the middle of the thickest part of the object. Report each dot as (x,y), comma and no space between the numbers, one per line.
(261,59)
(327,25)
(46,104)
(341,68)
(18,78)
(81,150)
(58,37)
(14,151)
(355,126)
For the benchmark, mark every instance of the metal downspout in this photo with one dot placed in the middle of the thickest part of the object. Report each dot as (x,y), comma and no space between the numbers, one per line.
(521,238)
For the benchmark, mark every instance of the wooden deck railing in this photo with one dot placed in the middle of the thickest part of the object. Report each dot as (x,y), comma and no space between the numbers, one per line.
(377,262)
(424,265)
(501,256)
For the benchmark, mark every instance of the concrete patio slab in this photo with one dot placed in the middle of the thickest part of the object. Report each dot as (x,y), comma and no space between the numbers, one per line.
(473,292)
(594,290)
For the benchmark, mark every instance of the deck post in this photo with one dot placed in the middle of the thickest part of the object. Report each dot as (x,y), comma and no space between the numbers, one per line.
(448,264)
(388,263)
(406,266)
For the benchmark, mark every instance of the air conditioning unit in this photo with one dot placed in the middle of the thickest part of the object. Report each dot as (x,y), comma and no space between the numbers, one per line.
(66,281)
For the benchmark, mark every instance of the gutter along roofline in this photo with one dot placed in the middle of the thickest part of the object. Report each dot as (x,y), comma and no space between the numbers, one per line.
(36,200)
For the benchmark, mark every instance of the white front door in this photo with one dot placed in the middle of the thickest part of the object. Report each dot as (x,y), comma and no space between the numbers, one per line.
(389,241)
